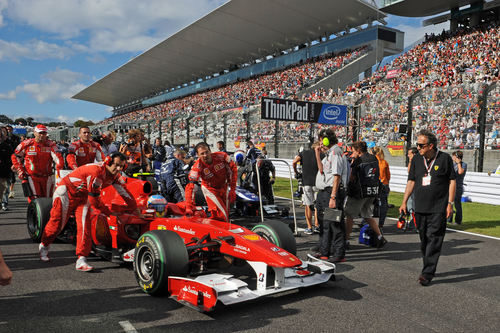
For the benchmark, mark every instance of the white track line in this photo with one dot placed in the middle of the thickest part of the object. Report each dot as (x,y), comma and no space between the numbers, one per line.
(127,326)
(447,227)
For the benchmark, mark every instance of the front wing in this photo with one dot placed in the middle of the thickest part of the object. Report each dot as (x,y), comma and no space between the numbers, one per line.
(203,292)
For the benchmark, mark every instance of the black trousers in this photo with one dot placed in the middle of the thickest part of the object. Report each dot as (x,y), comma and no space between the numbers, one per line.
(332,234)
(431,229)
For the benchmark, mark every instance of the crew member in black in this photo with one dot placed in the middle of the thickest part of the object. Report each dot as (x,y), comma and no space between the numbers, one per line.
(267,173)
(432,180)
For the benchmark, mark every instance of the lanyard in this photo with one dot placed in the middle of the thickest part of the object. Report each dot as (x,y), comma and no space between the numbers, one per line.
(428,168)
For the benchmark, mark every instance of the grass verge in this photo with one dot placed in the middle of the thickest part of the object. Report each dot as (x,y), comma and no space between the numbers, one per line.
(478,218)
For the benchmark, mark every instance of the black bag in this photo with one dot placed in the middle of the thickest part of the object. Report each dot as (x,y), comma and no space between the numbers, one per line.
(368,177)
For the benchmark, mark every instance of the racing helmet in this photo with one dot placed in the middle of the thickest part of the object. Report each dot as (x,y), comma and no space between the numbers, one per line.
(239,157)
(158,203)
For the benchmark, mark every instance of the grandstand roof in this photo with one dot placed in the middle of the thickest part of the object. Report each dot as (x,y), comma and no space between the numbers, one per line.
(236,32)
(421,8)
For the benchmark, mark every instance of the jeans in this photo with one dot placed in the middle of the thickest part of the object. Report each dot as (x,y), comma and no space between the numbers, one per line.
(458,206)
(383,204)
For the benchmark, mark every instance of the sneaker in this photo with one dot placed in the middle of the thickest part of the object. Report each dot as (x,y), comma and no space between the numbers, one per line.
(44,252)
(308,231)
(381,242)
(424,281)
(336,260)
(11,195)
(316,230)
(318,255)
(4,207)
(82,265)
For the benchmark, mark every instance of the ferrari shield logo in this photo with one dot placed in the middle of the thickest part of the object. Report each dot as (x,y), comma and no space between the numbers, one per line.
(436,167)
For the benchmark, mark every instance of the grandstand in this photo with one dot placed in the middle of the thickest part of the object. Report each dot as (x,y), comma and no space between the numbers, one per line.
(203,83)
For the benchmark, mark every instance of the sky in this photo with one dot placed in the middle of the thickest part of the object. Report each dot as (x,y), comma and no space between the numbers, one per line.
(52,49)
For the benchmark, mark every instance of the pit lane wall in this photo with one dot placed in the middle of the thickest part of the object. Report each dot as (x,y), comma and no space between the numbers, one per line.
(479,186)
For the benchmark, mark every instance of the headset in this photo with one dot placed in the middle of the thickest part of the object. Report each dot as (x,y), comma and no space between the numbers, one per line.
(109,159)
(328,137)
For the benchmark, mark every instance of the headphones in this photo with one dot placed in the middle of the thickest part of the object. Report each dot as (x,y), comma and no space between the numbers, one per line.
(109,159)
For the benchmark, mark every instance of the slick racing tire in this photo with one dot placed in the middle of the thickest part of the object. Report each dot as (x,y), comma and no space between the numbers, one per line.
(277,233)
(37,217)
(158,255)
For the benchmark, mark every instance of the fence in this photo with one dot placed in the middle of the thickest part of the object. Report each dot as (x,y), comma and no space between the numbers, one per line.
(479,187)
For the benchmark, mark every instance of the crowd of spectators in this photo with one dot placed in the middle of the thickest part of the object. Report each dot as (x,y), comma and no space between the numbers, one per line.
(451,69)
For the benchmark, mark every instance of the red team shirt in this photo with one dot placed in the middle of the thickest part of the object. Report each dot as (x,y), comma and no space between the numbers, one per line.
(81,153)
(36,158)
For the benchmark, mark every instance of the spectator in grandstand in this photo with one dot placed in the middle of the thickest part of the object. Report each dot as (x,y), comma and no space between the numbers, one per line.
(385,177)
(76,194)
(108,147)
(460,168)
(5,272)
(266,169)
(330,181)
(217,174)
(221,146)
(432,179)
(172,177)
(84,151)
(32,160)
(158,155)
(307,159)
(362,190)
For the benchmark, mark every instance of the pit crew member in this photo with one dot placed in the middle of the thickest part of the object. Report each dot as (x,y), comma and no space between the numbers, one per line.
(84,151)
(172,176)
(76,193)
(32,160)
(217,173)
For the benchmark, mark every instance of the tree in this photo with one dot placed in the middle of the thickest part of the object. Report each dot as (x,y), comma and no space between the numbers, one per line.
(29,120)
(4,119)
(83,123)
(21,121)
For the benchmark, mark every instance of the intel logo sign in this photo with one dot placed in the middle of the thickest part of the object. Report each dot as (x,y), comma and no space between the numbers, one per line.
(332,112)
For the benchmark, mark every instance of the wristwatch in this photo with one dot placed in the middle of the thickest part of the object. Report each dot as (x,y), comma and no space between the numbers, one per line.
(450,203)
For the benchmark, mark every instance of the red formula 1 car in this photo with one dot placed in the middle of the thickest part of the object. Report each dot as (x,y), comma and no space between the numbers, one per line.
(188,257)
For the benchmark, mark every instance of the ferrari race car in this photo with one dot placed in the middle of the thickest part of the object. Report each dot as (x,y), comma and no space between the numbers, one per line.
(187,257)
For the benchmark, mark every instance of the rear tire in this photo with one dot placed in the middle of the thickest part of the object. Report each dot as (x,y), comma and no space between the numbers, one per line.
(277,233)
(37,217)
(158,255)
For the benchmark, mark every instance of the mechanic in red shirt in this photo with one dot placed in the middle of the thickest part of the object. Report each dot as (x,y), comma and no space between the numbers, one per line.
(76,193)
(32,160)
(84,151)
(218,174)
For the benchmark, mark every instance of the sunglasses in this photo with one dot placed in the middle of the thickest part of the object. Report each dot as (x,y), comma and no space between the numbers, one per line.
(421,145)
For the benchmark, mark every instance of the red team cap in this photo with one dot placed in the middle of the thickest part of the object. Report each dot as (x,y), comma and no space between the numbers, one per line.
(41,128)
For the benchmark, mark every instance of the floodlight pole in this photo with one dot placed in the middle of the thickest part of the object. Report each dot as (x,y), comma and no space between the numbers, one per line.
(409,130)
(483,108)
(205,129)
(224,129)
(172,131)
(276,138)
(188,120)
(311,134)
(357,119)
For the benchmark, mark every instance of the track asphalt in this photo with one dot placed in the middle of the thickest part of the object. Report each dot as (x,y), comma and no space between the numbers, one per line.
(375,291)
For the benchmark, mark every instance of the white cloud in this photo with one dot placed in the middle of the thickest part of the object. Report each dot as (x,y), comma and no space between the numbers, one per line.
(54,86)
(34,49)
(111,25)
(3,5)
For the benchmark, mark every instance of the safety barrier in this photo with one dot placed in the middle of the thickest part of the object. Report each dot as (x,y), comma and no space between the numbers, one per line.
(479,186)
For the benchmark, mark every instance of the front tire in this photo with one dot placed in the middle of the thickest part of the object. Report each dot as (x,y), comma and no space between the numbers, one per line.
(277,233)
(37,217)
(158,255)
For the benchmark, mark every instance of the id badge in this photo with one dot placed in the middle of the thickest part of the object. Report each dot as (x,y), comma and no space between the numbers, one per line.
(426,181)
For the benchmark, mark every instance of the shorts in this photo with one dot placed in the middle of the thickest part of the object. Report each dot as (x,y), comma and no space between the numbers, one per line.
(308,197)
(359,207)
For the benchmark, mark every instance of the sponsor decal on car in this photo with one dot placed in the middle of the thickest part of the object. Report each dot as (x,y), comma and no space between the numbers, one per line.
(252,237)
(283,254)
(183,230)
(195,292)
(275,249)
(162,227)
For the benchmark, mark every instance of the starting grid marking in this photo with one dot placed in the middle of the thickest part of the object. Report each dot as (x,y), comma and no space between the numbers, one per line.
(127,326)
